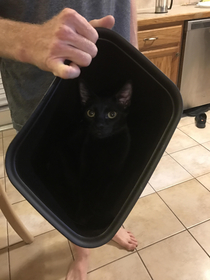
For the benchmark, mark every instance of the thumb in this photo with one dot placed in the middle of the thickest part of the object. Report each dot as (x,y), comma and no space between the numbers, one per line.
(107,22)
(64,71)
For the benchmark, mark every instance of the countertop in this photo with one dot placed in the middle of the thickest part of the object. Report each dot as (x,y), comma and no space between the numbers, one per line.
(177,13)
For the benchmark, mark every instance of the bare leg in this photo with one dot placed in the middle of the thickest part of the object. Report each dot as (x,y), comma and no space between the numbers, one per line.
(78,269)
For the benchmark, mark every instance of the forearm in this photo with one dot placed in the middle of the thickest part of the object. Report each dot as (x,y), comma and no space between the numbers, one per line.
(133,24)
(15,39)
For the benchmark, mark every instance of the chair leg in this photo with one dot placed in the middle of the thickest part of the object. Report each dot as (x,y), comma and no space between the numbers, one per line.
(13,218)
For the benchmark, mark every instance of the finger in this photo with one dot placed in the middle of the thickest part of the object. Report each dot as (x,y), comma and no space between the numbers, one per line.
(69,37)
(79,57)
(63,71)
(106,22)
(81,25)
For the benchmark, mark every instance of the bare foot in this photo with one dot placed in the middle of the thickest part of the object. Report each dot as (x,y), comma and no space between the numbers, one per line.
(125,239)
(77,271)
(78,268)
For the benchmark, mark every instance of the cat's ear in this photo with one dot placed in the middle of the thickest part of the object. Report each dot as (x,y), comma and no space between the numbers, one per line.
(84,92)
(124,95)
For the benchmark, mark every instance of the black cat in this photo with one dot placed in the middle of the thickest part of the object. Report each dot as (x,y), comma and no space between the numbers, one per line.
(107,138)
(105,147)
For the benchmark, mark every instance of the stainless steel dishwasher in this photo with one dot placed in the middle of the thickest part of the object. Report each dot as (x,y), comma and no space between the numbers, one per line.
(195,70)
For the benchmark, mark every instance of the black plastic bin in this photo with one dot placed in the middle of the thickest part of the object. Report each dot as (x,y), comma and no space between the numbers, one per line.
(40,158)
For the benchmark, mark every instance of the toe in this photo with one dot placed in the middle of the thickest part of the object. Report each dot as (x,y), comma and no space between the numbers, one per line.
(134,240)
(131,247)
(131,234)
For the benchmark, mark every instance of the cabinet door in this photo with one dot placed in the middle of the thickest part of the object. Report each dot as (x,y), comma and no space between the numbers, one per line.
(167,60)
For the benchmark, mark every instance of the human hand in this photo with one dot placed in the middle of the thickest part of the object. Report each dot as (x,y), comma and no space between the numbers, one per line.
(67,36)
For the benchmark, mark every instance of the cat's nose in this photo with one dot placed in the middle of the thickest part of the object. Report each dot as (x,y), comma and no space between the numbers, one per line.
(100,126)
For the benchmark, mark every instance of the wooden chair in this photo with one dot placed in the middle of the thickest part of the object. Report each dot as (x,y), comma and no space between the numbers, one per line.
(13,218)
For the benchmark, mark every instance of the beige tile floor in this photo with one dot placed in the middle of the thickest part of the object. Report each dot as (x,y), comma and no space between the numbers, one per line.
(171,222)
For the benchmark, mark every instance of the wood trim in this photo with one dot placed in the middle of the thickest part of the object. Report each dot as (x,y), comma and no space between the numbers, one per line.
(161,52)
(161,25)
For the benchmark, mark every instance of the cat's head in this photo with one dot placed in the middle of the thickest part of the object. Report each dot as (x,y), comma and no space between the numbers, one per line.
(105,116)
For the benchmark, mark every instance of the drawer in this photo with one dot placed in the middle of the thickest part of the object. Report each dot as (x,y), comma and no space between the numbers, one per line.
(160,37)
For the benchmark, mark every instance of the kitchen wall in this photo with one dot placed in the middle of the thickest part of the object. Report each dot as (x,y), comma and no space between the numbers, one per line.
(145,4)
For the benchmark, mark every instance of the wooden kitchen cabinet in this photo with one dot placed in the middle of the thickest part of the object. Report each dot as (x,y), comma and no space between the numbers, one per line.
(162,46)
(167,60)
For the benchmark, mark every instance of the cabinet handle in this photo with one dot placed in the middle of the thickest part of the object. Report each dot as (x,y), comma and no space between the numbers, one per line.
(150,39)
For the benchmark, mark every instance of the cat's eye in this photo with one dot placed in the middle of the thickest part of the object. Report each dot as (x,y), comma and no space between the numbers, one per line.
(91,113)
(112,114)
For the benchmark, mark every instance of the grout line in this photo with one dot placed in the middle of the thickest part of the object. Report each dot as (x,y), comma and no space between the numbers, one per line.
(184,149)
(171,186)
(14,203)
(71,250)
(22,241)
(145,265)
(198,243)
(202,183)
(186,228)
(194,177)
(204,146)
(108,263)
(7,228)
(172,211)
(161,240)
(138,250)
(189,136)
(187,148)
(8,249)
(129,254)
(9,265)
(183,166)
(178,128)
(195,225)
(194,139)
